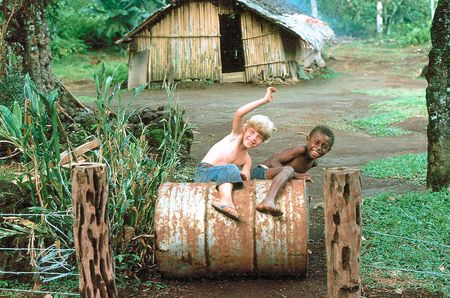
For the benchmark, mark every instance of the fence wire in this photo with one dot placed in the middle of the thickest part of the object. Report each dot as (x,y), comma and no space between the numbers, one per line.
(50,263)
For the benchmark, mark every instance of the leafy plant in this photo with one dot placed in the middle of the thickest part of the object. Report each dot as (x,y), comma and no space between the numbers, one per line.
(122,15)
(134,174)
(11,83)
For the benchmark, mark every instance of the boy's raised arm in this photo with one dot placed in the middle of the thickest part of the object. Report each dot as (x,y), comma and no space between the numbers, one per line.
(238,119)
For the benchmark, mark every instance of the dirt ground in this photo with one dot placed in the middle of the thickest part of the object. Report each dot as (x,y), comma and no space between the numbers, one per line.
(295,110)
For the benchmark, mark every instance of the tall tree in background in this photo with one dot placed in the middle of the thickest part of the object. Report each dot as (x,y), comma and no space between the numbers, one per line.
(379,18)
(28,38)
(438,104)
(8,10)
(432,8)
(314,11)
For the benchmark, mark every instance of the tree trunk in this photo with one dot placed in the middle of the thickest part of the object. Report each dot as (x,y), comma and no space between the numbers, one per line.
(314,11)
(432,9)
(28,36)
(437,99)
(379,18)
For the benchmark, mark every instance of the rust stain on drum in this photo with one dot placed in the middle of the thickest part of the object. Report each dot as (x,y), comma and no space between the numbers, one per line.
(282,243)
(180,229)
(231,243)
(193,239)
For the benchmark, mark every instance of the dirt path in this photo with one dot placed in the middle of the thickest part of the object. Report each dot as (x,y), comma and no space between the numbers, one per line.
(297,108)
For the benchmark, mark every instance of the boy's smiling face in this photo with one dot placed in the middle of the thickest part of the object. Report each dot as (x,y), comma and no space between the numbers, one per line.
(251,138)
(317,145)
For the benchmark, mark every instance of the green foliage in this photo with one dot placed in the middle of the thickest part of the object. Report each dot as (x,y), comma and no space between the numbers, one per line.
(34,130)
(406,166)
(65,46)
(74,32)
(157,134)
(358,17)
(121,15)
(134,175)
(38,138)
(412,34)
(327,73)
(302,74)
(11,84)
(80,25)
(406,238)
(411,103)
(65,285)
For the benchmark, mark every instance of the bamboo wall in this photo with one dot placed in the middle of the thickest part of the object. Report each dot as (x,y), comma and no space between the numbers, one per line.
(186,42)
(293,49)
(263,48)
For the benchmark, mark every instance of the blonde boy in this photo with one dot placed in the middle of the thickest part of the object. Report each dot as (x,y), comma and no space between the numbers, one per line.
(227,162)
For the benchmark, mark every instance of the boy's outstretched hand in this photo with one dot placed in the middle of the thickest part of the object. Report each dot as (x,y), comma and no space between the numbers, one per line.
(269,92)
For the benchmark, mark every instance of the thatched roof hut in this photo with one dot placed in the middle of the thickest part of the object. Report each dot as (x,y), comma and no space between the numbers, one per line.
(248,40)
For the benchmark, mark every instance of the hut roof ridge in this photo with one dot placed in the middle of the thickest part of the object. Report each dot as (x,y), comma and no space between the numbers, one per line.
(313,31)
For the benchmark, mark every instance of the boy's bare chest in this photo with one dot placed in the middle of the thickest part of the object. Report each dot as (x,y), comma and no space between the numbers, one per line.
(301,164)
(232,152)
(236,154)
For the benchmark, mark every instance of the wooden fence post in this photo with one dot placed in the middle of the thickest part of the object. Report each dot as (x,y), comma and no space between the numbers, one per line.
(342,195)
(91,230)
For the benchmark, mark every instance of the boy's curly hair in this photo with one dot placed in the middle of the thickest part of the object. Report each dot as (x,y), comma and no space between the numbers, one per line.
(262,124)
(325,130)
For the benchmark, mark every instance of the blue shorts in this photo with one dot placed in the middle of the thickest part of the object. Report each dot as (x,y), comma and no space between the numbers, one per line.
(258,173)
(220,174)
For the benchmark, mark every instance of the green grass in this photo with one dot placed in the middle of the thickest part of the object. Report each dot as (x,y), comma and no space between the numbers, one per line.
(407,241)
(370,49)
(19,289)
(81,66)
(407,166)
(407,103)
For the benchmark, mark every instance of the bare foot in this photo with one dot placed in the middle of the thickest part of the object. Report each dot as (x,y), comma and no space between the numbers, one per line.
(269,209)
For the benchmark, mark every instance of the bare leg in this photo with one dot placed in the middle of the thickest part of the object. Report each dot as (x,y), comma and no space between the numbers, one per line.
(280,177)
(225,204)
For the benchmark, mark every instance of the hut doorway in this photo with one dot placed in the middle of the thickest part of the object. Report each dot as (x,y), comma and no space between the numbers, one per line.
(231,50)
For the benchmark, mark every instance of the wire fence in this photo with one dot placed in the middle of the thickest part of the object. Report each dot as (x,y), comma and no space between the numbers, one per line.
(53,263)
(435,245)
(47,264)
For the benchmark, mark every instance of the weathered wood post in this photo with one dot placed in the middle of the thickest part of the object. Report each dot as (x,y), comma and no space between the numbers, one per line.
(91,230)
(342,194)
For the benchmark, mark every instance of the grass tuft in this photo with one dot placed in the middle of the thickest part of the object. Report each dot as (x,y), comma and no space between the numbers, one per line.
(408,103)
(407,166)
(406,237)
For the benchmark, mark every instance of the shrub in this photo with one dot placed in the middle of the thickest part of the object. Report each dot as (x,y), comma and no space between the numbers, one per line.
(134,174)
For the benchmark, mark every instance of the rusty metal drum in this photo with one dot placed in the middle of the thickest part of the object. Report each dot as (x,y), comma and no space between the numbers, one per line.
(194,240)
